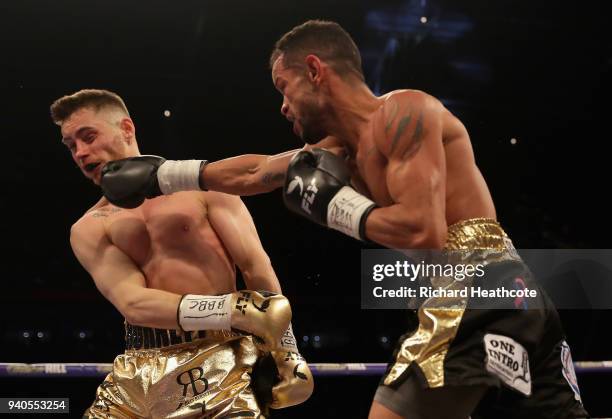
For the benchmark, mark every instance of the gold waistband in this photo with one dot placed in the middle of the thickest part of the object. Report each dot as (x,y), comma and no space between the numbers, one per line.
(477,233)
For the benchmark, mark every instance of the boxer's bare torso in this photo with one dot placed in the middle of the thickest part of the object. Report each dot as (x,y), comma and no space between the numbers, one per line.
(467,195)
(171,240)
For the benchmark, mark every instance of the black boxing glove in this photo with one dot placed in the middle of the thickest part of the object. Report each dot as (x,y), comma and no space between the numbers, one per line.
(317,187)
(126,183)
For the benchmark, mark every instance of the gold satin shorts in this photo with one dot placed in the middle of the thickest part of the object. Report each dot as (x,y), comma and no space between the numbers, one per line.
(163,374)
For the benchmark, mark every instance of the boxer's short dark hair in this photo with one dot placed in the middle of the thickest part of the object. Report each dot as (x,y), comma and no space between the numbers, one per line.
(325,39)
(96,99)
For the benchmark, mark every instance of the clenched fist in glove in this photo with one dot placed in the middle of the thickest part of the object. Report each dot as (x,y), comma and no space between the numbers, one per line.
(126,183)
(317,187)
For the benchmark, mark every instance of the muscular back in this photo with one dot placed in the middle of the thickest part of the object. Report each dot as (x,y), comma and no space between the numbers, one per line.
(467,194)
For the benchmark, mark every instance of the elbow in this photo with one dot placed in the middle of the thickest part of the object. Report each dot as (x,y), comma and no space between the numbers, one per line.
(429,237)
(261,277)
(432,236)
(429,240)
(133,313)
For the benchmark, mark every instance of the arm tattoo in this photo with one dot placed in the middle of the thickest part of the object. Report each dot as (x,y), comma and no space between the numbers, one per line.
(415,141)
(273,178)
(392,117)
(403,123)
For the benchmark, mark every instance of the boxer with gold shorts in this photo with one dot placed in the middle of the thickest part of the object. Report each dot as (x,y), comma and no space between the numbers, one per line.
(214,373)
(195,346)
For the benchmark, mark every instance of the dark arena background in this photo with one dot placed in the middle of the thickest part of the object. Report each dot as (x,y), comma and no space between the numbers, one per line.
(530,80)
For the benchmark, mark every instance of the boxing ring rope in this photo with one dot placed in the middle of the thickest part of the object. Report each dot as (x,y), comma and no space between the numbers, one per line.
(318,369)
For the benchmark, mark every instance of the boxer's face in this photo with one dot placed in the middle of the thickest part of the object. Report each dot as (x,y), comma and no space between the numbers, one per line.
(95,138)
(302,105)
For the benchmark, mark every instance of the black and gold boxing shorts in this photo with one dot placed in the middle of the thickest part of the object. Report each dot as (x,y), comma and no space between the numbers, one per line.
(521,351)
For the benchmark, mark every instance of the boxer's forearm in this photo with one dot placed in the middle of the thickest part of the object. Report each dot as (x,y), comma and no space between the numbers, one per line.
(248,174)
(262,278)
(150,307)
(396,227)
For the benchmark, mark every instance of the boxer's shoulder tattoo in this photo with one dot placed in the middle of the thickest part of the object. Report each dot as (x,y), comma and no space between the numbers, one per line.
(401,127)
(273,178)
(369,153)
(392,116)
(415,141)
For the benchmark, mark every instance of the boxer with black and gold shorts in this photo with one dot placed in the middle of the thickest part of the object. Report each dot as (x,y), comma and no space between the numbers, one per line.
(484,362)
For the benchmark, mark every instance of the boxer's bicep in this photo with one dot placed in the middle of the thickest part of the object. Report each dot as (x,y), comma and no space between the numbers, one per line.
(108,266)
(234,225)
(415,178)
(418,192)
(113,272)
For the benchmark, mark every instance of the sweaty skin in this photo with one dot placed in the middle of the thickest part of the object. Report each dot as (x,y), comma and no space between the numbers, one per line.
(411,156)
(143,260)
(416,162)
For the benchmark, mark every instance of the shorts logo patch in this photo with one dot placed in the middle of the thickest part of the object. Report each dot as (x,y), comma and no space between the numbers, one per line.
(520,302)
(508,360)
(568,370)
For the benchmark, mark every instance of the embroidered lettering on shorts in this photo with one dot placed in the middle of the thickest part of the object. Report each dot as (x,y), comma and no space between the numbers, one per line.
(194,382)
(508,360)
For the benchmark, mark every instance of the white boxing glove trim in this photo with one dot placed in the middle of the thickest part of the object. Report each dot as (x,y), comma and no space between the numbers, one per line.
(179,175)
(345,210)
(205,312)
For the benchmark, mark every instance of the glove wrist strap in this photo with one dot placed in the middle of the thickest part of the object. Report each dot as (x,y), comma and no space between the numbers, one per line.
(347,212)
(205,312)
(179,175)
